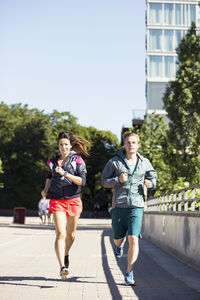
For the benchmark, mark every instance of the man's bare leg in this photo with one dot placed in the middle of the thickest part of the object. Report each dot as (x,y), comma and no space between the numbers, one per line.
(133,251)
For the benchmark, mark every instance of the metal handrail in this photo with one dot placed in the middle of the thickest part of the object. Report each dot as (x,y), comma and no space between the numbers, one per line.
(187,199)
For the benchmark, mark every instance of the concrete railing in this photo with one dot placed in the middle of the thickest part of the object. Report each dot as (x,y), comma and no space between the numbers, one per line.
(187,199)
(172,222)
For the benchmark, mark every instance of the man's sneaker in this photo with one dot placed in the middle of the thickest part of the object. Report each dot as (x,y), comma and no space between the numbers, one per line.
(129,279)
(63,273)
(118,251)
(67,261)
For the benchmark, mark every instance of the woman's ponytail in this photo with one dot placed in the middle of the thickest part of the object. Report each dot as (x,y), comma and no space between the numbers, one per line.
(78,143)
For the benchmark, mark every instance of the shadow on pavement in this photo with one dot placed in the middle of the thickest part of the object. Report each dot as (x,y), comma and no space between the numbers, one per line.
(152,281)
(108,274)
(14,280)
(10,280)
(78,280)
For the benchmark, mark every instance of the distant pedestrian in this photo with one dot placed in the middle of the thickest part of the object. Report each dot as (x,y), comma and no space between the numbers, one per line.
(96,208)
(126,173)
(43,208)
(67,173)
(109,208)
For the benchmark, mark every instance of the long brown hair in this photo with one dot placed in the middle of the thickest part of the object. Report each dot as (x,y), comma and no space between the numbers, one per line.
(77,142)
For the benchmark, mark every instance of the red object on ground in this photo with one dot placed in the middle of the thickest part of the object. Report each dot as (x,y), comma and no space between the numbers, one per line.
(19,215)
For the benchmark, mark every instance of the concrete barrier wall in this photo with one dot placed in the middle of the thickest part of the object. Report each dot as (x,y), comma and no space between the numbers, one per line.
(176,232)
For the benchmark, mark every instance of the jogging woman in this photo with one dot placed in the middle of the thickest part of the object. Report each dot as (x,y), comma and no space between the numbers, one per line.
(67,173)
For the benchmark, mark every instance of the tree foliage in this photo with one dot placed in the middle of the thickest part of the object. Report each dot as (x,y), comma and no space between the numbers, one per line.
(152,144)
(103,146)
(28,139)
(182,103)
(25,145)
(1,171)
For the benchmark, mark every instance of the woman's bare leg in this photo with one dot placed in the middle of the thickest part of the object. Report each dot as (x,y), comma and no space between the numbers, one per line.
(71,230)
(60,222)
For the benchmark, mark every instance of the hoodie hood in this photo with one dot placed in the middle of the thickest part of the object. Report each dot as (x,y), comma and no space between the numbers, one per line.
(71,153)
(122,154)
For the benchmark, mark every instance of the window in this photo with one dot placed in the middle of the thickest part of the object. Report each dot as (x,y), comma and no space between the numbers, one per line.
(155,66)
(177,38)
(169,66)
(192,13)
(168,40)
(183,14)
(186,11)
(178,14)
(155,39)
(155,13)
(168,14)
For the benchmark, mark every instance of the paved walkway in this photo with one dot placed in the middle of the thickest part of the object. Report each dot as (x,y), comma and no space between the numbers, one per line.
(29,268)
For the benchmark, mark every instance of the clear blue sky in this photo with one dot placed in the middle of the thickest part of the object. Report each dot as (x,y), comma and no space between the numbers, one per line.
(82,56)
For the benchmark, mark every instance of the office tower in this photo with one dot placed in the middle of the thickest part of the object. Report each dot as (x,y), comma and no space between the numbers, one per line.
(166,23)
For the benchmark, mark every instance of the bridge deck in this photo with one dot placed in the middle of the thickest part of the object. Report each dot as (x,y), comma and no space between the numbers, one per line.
(29,269)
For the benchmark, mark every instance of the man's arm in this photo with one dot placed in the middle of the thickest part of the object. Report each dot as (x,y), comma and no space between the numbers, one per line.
(108,178)
(150,176)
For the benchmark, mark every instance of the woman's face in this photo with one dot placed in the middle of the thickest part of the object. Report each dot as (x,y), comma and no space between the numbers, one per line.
(64,146)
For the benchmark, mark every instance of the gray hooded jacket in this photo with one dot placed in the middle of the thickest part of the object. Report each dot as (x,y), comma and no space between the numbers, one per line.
(130,193)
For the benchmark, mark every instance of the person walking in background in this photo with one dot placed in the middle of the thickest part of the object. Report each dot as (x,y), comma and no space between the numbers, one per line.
(67,173)
(43,208)
(126,173)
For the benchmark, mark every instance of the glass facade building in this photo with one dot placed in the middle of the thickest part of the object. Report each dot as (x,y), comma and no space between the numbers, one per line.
(166,23)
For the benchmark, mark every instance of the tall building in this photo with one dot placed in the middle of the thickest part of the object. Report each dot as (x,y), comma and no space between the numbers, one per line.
(166,23)
(138,116)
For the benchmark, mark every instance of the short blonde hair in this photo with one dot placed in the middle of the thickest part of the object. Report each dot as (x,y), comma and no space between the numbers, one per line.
(130,133)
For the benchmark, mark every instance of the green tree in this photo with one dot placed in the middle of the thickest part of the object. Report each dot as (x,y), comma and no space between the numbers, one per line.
(103,146)
(62,121)
(28,139)
(26,144)
(1,171)
(152,144)
(182,103)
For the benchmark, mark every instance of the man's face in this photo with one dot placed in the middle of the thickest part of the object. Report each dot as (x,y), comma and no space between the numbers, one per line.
(131,144)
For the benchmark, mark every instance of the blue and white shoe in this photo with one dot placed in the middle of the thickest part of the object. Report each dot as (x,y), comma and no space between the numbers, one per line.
(118,251)
(129,279)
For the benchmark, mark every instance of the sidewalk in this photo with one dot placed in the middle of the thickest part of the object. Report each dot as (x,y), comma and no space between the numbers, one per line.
(29,268)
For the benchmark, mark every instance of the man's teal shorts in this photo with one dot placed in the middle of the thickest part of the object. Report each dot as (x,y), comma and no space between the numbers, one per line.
(126,220)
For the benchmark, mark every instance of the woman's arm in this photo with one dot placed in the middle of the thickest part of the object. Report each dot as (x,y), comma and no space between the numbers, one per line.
(75,179)
(46,188)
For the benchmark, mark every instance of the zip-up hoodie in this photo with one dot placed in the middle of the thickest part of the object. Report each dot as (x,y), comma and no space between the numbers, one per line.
(130,193)
(61,187)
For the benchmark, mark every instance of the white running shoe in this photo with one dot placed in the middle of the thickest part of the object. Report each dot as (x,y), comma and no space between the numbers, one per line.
(63,273)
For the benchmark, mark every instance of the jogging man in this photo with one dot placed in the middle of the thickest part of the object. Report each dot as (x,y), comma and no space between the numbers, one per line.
(126,173)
